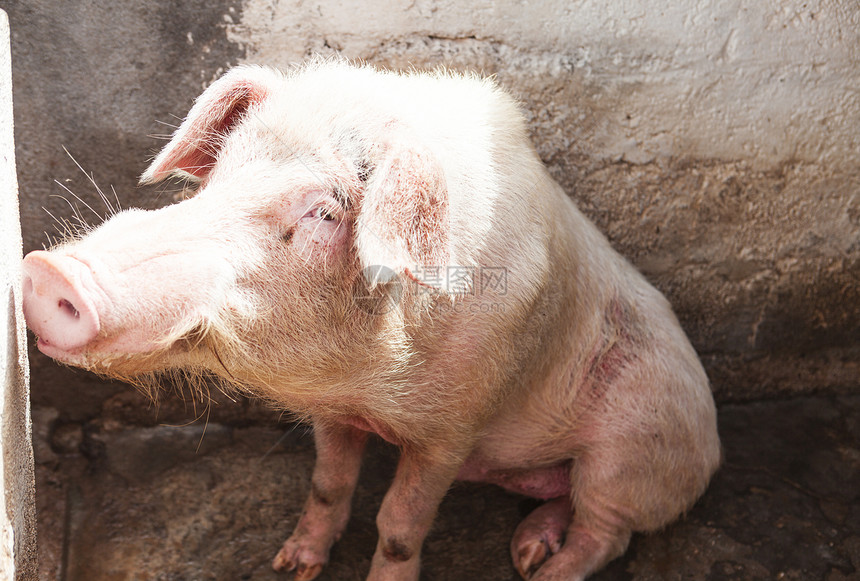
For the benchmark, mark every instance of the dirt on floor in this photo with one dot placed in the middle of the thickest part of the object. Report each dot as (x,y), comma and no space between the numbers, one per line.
(212,501)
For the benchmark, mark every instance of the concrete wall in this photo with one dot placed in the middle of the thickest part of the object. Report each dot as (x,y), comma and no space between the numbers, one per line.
(17,505)
(715,142)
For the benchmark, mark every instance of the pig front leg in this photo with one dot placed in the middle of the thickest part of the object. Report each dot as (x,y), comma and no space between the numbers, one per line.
(407,513)
(339,450)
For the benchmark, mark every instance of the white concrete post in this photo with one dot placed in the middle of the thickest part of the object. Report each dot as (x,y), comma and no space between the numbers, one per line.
(17,510)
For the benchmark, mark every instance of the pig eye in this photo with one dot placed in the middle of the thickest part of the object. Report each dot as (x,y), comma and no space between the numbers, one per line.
(323,214)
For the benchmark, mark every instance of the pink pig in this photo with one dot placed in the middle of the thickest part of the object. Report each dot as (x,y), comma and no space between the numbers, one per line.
(385,253)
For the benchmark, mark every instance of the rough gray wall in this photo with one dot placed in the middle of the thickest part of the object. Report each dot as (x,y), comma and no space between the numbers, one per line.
(716,144)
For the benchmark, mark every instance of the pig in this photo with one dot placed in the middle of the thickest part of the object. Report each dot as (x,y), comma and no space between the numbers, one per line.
(384,253)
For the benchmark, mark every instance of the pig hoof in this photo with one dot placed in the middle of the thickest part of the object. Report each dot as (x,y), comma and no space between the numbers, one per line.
(530,556)
(540,536)
(306,573)
(292,558)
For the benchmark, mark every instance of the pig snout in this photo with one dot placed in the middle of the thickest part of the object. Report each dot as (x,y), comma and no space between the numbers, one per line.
(58,306)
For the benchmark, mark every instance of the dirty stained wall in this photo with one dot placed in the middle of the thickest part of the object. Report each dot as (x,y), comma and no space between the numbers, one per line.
(715,143)
(17,495)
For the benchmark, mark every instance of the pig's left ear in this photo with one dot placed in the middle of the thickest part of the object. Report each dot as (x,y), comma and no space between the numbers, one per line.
(194,147)
(403,224)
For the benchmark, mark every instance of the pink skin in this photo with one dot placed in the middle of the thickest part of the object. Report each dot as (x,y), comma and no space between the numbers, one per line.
(306,180)
(72,299)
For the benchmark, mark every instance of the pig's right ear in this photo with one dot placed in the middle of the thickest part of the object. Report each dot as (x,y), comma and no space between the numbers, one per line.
(194,147)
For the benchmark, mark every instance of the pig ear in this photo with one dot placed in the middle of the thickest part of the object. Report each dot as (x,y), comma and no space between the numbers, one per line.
(194,147)
(403,223)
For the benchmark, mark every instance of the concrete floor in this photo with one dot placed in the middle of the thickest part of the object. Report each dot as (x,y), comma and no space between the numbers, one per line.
(119,501)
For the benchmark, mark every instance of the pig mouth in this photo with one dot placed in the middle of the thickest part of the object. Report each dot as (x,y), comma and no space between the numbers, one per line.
(57,353)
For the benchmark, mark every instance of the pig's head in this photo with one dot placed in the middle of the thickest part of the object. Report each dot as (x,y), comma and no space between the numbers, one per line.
(304,186)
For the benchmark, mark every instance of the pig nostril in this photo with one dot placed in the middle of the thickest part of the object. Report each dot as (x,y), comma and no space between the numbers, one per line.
(69,308)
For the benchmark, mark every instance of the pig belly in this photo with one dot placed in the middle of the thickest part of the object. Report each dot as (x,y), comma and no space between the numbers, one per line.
(543,482)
